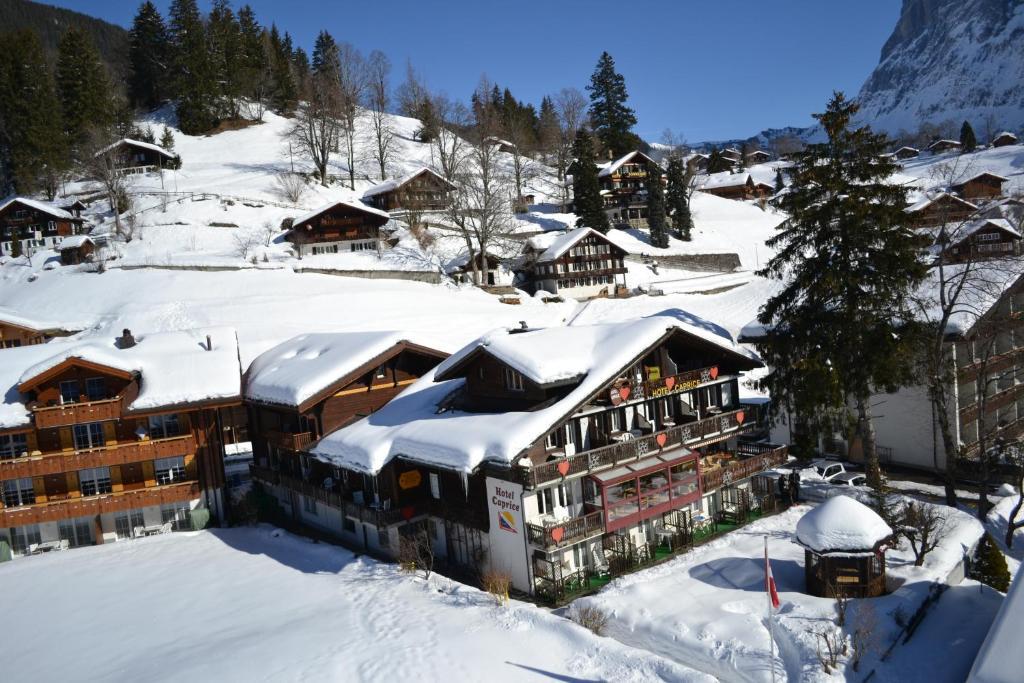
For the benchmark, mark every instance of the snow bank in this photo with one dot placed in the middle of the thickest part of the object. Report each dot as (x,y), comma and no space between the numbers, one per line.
(842,524)
(1001,658)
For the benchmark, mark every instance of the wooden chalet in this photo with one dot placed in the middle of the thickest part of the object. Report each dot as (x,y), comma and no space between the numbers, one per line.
(983,185)
(941,209)
(739,186)
(494,271)
(569,453)
(311,386)
(76,249)
(103,441)
(732,154)
(502,145)
(338,227)
(580,263)
(758,157)
(623,185)
(697,163)
(75,208)
(943,146)
(987,238)
(419,191)
(906,152)
(1004,139)
(35,224)
(135,156)
(19,330)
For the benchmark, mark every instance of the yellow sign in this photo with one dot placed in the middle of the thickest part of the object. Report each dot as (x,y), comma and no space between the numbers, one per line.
(409,480)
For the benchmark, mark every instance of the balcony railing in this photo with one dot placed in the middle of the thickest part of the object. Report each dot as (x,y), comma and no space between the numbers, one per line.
(557,534)
(77,413)
(690,434)
(96,505)
(330,498)
(105,456)
(755,457)
(292,442)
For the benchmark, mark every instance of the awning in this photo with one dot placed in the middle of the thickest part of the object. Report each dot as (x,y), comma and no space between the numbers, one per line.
(642,467)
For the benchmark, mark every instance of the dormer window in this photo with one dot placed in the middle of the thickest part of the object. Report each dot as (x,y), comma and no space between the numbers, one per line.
(513,380)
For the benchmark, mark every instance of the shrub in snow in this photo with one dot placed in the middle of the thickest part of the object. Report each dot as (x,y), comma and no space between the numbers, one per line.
(589,617)
(497,583)
(989,565)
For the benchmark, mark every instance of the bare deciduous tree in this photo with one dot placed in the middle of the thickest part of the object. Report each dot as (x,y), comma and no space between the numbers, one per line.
(924,526)
(448,147)
(102,166)
(412,94)
(378,100)
(352,80)
(572,115)
(415,549)
(269,233)
(290,186)
(316,130)
(245,241)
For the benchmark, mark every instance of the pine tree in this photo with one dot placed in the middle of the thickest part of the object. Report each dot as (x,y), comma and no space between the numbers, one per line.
(968,142)
(717,163)
(83,88)
(656,207)
(587,201)
(285,89)
(548,128)
(677,198)
(147,58)
(780,182)
(989,565)
(167,139)
(224,37)
(613,121)
(192,74)
(31,139)
(849,260)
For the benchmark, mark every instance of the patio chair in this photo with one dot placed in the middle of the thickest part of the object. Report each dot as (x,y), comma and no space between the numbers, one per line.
(166,528)
(600,562)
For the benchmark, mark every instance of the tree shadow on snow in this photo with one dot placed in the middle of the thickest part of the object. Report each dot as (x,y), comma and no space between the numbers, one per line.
(747,574)
(552,675)
(299,553)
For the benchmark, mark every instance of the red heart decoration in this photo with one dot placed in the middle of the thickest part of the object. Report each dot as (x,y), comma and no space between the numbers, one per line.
(407,512)
(624,392)
(739,417)
(563,467)
(670,382)
(661,439)
(557,533)
(714,372)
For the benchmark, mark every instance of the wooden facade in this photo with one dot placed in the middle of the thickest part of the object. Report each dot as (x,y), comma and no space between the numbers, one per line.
(34,224)
(942,146)
(991,239)
(744,188)
(421,191)
(593,266)
(623,185)
(135,156)
(75,250)
(981,186)
(906,152)
(1004,139)
(338,227)
(945,209)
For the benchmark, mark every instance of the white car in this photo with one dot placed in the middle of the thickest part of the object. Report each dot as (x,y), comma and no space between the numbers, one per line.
(827,469)
(849,479)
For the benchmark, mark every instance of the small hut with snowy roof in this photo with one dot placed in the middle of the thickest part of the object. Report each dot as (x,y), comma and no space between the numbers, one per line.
(845,544)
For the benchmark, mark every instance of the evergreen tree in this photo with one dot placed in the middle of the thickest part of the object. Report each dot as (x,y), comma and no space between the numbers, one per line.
(849,260)
(16,250)
(148,54)
(224,37)
(285,89)
(326,62)
(613,121)
(717,163)
(83,88)
(989,565)
(31,140)
(677,198)
(192,73)
(780,182)
(656,207)
(968,142)
(167,139)
(587,201)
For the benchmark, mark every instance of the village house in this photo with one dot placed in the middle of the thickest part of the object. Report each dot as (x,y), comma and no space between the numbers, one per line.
(731,154)
(76,249)
(729,185)
(135,156)
(942,146)
(758,157)
(565,454)
(983,185)
(983,239)
(421,191)
(341,226)
(502,145)
(34,224)
(906,152)
(315,384)
(942,208)
(1004,139)
(19,330)
(697,163)
(581,264)
(75,208)
(623,185)
(494,270)
(107,440)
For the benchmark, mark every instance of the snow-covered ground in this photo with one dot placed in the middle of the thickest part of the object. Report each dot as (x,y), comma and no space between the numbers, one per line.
(707,608)
(258,604)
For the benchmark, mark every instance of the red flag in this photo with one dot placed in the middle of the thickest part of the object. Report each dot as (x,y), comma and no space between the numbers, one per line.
(769,580)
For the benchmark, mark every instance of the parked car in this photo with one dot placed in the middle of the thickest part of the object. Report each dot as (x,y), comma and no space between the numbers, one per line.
(827,469)
(849,479)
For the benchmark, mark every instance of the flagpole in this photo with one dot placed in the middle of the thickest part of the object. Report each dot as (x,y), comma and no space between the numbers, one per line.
(768,597)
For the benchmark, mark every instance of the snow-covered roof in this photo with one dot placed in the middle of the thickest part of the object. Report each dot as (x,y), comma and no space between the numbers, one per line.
(724,179)
(1001,658)
(416,426)
(944,141)
(612,167)
(74,242)
(350,203)
(841,524)
(295,371)
(1005,134)
(136,143)
(556,245)
(175,368)
(11,317)
(984,223)
(927,201)
(983,174)
(395,183)
(48,209)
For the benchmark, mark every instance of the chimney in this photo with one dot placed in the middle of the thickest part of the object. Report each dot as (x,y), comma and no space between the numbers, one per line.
(209,343)
(126,340)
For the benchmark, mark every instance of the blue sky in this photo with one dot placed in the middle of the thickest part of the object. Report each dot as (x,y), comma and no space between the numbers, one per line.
(707,70)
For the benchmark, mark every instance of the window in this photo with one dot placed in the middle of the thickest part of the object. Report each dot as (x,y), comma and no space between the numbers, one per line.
(164,426)
(178,515)
(125,523)
(348,524)
(13,445)
(94,481)
(69,391)
(513,380)
(88,436)
(989,237)
(19,492)
(544,502)
(382,372)
(77,532)
(309,505)
(684,479)
(169,470)
(653,489)
(23,537)
(96,388)
(435,486)
(622,500)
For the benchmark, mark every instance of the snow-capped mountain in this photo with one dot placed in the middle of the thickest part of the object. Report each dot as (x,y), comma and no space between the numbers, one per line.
(950,60)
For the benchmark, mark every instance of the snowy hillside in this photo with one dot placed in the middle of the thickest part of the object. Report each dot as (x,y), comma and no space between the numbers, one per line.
(950,60)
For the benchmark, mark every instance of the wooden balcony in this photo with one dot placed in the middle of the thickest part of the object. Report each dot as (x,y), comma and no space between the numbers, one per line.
(560,534)
(690,435)
(77,413)
(753,458)
(96,505)
(118,454)
(329,497)
(292,442)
